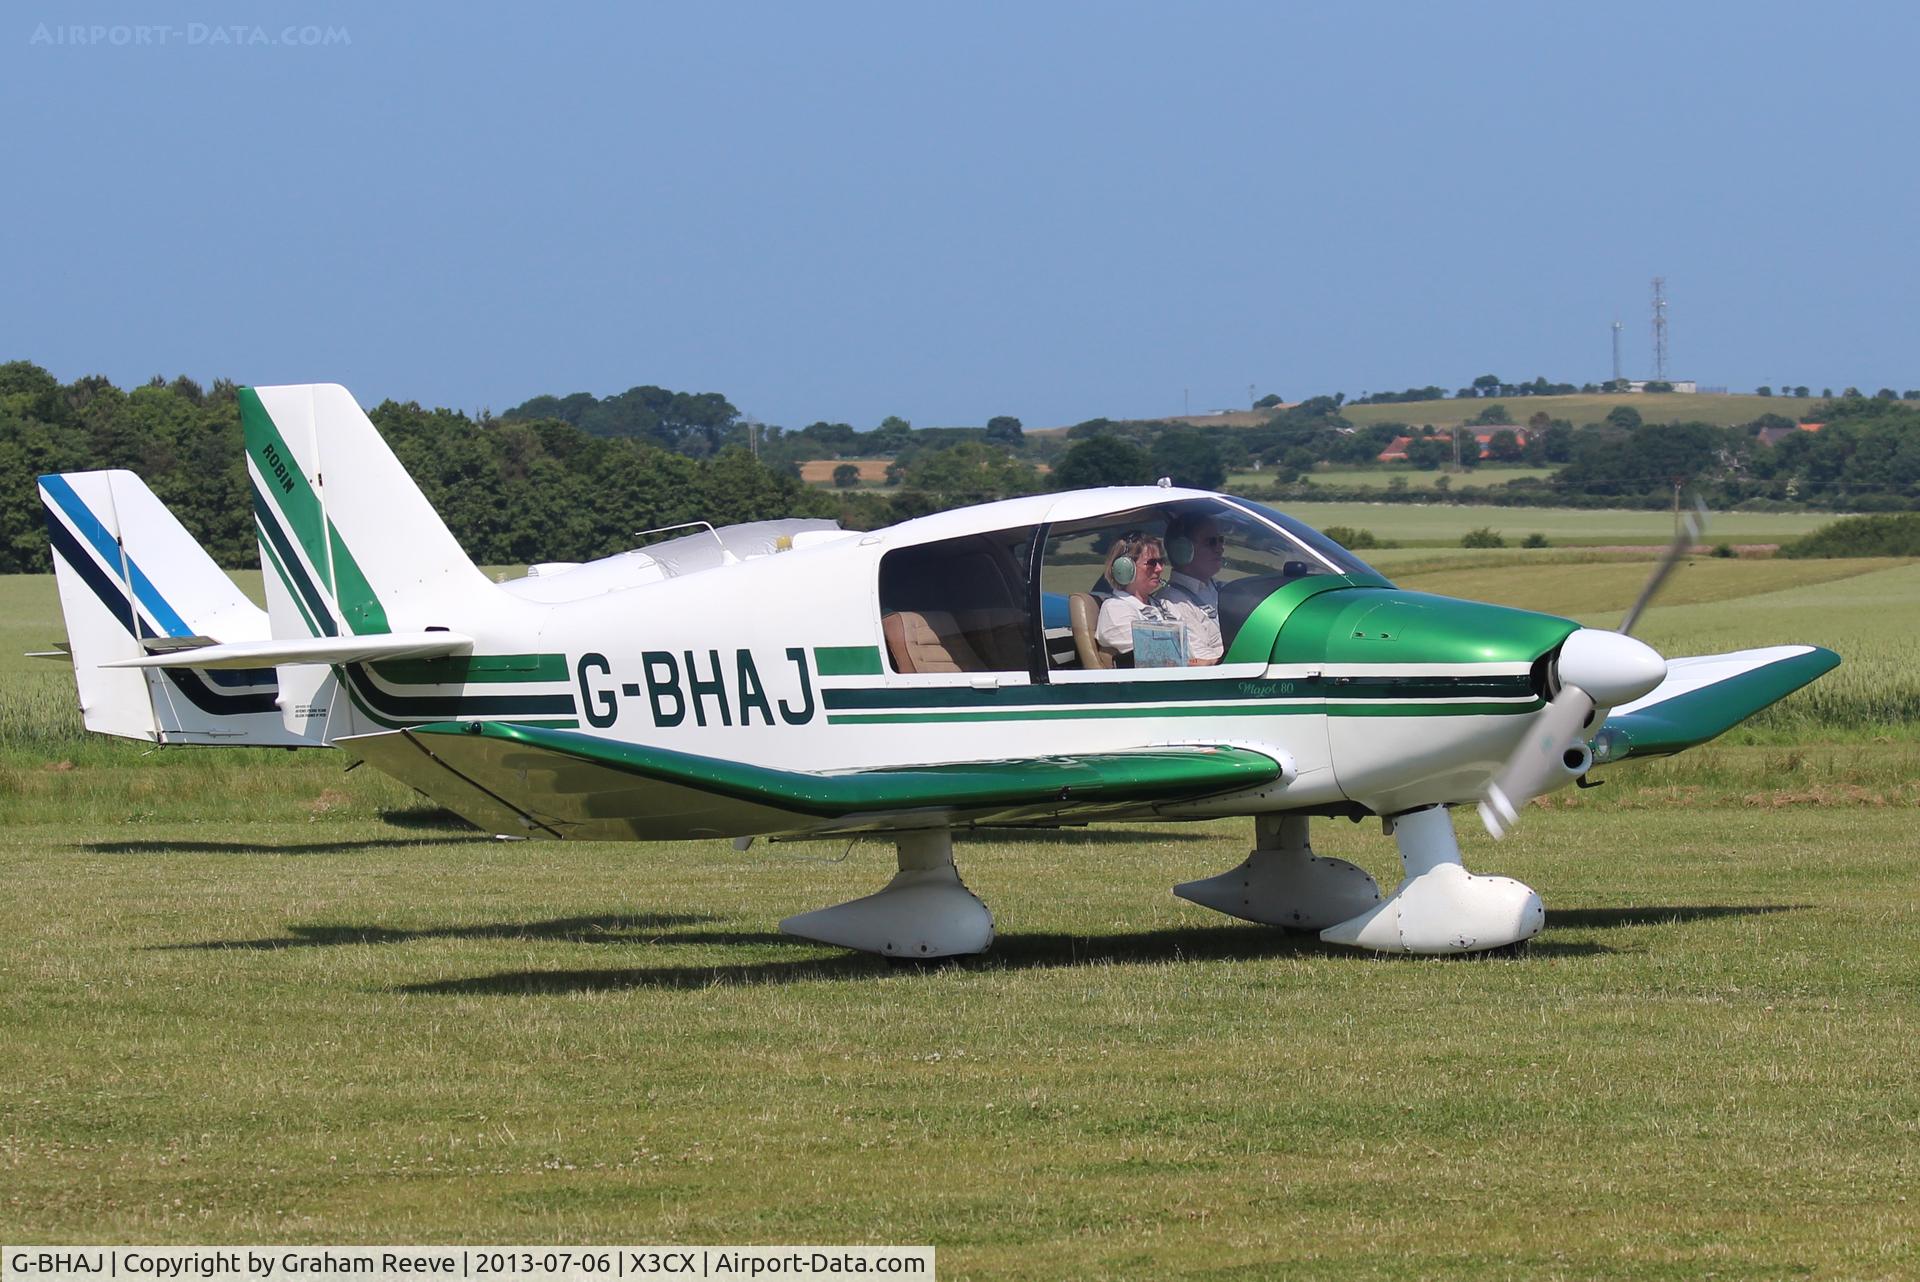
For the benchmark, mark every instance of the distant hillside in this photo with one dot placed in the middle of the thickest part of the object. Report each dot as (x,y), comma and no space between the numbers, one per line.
(1658,407)
(1719,409)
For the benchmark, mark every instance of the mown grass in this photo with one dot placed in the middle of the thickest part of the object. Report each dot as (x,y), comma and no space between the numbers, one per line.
(325,1031)
(251,998)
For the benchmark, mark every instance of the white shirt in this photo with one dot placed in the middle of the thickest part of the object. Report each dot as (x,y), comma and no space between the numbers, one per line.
(1200,599)
(1118,614)
(1201,592)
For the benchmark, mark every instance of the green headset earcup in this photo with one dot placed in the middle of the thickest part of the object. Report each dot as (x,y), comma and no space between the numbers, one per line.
(1180,551)
(1122,571)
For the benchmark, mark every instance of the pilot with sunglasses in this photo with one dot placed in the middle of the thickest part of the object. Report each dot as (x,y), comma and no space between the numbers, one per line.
(1196,549)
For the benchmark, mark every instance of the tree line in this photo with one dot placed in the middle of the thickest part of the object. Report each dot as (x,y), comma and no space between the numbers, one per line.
(511,490)
(576,477)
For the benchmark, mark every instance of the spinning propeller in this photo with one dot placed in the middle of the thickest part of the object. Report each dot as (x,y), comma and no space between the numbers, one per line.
(1595,668)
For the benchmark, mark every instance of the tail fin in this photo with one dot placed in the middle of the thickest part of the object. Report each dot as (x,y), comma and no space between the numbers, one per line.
(132,582)
(349,546)
(348,543)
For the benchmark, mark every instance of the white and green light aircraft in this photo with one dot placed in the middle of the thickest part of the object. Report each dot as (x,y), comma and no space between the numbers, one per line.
(797,680)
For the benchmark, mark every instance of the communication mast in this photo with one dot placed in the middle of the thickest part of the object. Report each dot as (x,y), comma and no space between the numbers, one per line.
(1616,349)
(1660,328)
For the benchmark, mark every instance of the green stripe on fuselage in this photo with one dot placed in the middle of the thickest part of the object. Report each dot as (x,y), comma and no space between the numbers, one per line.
(1188,690)
(444,706)
(404,723)
(1195,710)
(473,669)
(847,660)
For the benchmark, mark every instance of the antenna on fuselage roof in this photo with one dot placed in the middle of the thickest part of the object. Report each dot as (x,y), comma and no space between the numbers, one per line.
(684,525)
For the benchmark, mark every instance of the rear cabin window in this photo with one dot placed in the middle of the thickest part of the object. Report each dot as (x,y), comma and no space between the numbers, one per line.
(958,605)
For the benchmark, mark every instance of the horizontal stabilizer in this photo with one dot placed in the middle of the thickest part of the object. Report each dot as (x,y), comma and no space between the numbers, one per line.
(1705,697)
(326,650)
(541,782)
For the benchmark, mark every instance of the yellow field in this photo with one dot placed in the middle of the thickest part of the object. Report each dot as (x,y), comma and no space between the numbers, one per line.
(819,471)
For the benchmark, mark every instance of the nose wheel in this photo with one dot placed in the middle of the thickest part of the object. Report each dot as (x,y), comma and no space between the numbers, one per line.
(1439,907)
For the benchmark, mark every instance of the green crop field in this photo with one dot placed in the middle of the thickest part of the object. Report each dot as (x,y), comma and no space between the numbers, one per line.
(1439,524)
(1664,407)
(251,998)
(1379,478)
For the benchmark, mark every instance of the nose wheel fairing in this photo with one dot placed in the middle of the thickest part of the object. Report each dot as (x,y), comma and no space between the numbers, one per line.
(1439,907)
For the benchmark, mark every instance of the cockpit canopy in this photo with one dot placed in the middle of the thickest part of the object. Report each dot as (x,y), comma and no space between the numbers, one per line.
(971,603)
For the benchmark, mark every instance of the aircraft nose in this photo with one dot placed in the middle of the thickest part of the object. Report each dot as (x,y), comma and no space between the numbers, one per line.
(1611,667)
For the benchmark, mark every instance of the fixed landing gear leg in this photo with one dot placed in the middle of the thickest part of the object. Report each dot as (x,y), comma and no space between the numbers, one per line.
(924,912)
(1283,883)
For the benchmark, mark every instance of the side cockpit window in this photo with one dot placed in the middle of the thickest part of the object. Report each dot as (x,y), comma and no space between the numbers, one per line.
(958,605)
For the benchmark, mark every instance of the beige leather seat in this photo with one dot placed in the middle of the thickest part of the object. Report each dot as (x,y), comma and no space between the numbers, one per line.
(928,641)
(998,635)
(1083,610)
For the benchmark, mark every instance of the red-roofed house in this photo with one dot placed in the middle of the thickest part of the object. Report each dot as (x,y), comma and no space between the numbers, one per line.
(1396,451)
(1775,435)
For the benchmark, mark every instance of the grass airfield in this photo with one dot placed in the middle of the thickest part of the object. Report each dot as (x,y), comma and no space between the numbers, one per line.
(251,998)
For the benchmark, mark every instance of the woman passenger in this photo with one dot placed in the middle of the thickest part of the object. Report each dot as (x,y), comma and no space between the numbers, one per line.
(1137,568)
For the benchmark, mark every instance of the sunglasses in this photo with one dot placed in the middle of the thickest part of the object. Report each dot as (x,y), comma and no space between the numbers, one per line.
(1213,541)
(1152,563)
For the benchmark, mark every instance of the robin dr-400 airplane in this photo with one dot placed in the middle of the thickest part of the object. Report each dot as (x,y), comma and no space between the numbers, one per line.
(799,680)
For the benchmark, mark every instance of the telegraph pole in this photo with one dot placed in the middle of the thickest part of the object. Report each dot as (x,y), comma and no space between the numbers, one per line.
(1660,328)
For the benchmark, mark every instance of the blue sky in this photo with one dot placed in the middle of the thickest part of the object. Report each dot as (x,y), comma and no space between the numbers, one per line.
(946,212)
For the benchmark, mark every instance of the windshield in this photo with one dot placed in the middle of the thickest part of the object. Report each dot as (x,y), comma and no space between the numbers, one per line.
(1346,561)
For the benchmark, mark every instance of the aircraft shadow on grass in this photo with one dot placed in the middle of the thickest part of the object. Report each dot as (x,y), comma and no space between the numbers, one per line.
(1041,950)
(199,847)
(1010,952)
(1078,836)
(1656,915)
(458,832)
(437,818)
(615,929)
